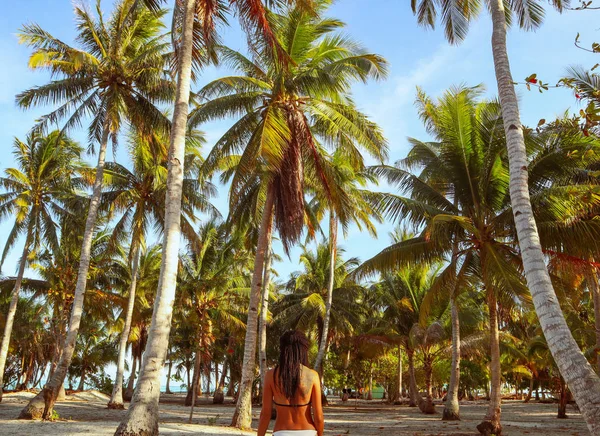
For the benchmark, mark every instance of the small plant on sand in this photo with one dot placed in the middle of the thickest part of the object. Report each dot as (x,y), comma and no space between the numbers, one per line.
(212,421)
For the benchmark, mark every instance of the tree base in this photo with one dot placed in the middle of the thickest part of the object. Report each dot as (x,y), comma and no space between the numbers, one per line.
(34,409)
(219,397)
(188,399)
(128,395)
(141,420)
(115,406)
(489,428)
(426,406)
(50,397)
(450,415)
(125,430)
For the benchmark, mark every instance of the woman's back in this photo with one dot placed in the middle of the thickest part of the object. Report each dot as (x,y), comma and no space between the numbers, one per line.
(295,390)
(297,413)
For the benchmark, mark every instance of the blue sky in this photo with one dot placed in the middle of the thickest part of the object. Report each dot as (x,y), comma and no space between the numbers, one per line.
(417,57)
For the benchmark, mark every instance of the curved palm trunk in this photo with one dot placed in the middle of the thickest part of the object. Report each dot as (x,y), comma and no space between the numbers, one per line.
(333,254)
(116,399)
(142,415)
(452,408)
(242,417)
(574,367)
(12,310)
(491,423)
(52,388)
(264,310)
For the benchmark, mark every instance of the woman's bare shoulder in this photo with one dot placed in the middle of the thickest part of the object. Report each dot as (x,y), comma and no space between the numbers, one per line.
(310,373)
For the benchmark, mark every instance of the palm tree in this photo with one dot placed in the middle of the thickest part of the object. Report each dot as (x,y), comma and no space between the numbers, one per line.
(411,318)
(95,349)
(57,271)
(28,356)
(212,286)
(456,15)
(461,198)
(138,196)
(147,281)
(34,195)
(115,75)
(264,315)
(304,305)
(194,24)
(352,206)
(286,104)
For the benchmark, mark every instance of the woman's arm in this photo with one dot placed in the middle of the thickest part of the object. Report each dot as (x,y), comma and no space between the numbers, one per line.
(267,405)
(317,407)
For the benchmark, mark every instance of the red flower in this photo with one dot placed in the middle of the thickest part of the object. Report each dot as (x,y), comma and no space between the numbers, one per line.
(534,81)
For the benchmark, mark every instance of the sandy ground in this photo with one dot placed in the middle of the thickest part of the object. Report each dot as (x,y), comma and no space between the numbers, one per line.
(86,413)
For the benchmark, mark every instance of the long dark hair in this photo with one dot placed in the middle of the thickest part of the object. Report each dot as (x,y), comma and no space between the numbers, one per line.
(293,352)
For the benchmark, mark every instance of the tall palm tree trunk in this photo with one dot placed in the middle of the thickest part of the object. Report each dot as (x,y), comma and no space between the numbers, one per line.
(563,400)
(130,383)
(574,367)
(50,392)
(426,404)
(219,396)
(81,386)
(413,390)
(528,397)
(116,399)
(195,381)
(399,394)
(595,291)
(242,417)
(370,394)
(168,387)
(491,423)
(264,310)
(12,310)
(428,368)
(333,255)
(142,415)
(452,408)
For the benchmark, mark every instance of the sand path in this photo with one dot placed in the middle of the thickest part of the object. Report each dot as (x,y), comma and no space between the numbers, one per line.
(86,413)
